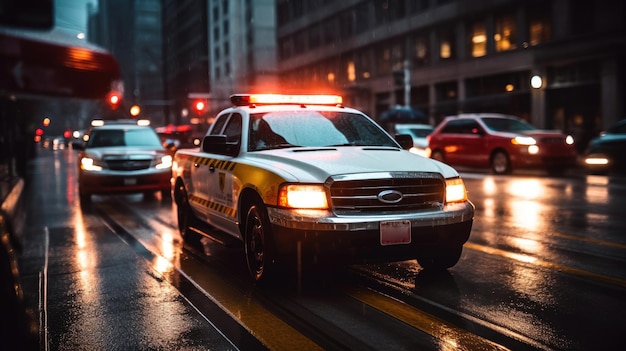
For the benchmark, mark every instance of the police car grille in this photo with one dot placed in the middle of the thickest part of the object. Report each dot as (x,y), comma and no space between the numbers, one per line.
(128,165)
(362,196)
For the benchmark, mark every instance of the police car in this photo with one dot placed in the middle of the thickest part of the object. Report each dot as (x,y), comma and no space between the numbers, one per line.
(301,179)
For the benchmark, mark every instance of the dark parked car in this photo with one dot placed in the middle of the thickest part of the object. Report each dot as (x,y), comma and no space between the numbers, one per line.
(607,152)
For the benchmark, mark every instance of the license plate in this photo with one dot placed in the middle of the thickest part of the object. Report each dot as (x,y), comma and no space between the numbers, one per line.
(130,181)
(395,232)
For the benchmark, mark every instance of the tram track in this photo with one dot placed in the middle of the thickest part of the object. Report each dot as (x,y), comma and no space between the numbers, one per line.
(330,314)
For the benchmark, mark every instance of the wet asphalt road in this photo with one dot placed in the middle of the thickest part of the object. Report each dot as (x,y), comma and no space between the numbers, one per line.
(543,270)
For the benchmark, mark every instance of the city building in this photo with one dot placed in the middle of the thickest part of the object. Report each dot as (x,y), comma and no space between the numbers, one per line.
(132,32)
(558,63)
(185,53)
(242,52)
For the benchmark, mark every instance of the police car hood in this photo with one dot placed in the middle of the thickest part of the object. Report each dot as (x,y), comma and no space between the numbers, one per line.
(317,164)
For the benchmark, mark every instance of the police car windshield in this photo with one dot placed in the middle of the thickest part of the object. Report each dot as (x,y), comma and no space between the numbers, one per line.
(282,129)
(143,137)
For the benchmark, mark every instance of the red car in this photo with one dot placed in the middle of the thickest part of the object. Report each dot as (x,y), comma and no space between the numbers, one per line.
(501,142)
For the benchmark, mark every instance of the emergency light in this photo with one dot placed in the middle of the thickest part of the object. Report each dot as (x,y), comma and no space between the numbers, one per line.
(274,99)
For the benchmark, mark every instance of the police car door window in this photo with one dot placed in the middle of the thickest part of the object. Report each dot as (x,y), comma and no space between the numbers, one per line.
(219,124)
(233,128)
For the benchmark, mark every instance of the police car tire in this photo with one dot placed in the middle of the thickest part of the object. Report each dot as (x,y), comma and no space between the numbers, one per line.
(257,241)
(185,216)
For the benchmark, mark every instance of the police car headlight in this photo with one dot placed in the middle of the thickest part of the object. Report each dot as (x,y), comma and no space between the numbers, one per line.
(455,190)
(89,164)
(164,162)
(303,196)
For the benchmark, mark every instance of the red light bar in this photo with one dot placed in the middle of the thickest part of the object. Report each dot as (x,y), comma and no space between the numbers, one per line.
(273,99)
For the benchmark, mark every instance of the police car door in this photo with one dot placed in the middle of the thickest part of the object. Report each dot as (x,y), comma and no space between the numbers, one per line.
(221,190)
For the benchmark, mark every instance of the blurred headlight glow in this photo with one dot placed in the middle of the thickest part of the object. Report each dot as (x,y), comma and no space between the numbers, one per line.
(533,149)
(88,164)
(596,160)
(302,196)
(455,190)
(166,162)
(522,140)
(569,140)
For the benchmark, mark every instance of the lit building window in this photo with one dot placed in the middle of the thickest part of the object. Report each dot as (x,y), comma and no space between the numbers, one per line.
(505,34)
(331,78)
(446,45)
(421,50)
(445,49)
(539,31)
(351,71)
(478,37)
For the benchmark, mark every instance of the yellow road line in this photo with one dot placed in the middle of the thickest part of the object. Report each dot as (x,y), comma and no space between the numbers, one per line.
(536,261)
(449,336)
(270,330)
(590,240)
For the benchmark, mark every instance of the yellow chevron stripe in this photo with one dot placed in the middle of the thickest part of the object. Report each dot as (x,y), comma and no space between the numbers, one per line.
(231,212)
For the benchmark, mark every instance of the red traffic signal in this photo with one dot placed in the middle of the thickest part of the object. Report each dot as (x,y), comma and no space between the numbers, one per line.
(199,105)
(114,99)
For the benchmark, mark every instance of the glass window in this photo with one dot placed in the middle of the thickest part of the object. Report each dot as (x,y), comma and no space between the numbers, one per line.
(478,39)
(420,46)
(362,11)
(505,33)
(314,128)
(539,28)
(507,124)
(461,126)
(447,45)
(233,128)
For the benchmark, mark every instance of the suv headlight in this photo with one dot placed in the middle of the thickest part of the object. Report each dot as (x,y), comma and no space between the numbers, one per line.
(89,164)
(164,162)
(303,196)
(455,190)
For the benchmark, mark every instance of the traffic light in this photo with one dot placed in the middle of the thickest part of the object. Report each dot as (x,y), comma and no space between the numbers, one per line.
(46,122)
(199,106)
(114,99)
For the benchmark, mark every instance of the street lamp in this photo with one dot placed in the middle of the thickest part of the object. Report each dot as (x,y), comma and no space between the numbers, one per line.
(536,82)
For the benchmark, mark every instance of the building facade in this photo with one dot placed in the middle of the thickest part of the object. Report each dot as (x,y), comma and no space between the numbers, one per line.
(185,52)
(242,52)
(463,56)
(132,32)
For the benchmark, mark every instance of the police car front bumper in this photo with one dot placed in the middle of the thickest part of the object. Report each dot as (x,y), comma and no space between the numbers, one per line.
(358,238)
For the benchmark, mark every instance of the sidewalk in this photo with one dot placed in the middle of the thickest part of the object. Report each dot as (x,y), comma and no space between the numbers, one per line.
(17,324)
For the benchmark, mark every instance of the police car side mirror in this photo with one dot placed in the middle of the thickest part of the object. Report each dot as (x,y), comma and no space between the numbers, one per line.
(218,144)
(405,141)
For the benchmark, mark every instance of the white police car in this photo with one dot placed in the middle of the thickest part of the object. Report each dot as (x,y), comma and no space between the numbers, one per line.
(301,179)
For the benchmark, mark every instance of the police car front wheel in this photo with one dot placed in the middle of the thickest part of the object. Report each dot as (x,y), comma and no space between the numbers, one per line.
(257,242)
